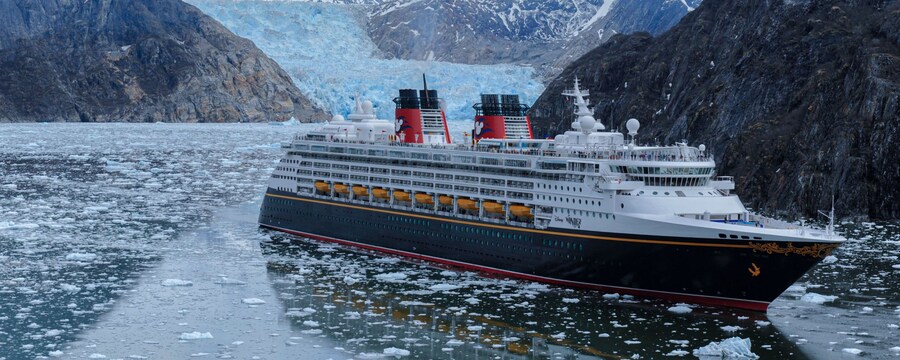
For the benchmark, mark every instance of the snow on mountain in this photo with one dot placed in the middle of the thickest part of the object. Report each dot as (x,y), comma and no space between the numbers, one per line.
(326,49)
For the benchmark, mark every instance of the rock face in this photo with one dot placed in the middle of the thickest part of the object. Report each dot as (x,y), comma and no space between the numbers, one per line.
(136,61)
(799,100)
(544,34)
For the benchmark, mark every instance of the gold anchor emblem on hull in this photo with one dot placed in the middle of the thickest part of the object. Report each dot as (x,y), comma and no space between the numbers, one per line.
(754,270)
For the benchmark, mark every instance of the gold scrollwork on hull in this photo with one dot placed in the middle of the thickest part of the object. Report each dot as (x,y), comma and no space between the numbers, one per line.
(814,250)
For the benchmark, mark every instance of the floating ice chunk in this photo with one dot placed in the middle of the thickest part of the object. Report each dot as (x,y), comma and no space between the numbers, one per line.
(83,257)
(570,300)
(852,351)
(443,287)
(677,353)
(895,349)
(96,356)
(475,328)
(391,277)
(559,336)
(731,328)
(830,259)
(176,282)
(395,352)
(731,348)
(253,301)
(866,309)
(227,281)
(449,273)
(55,353)
(472,301)
(680,309)
(5,225)
(311,323)
(349,280)
(196,335)
(455,342)
(817,298)
(53,332)
(611,296)
(896,266)
(762,323)
(69,288)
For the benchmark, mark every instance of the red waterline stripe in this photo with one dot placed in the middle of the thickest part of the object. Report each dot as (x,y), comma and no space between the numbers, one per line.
(672,296)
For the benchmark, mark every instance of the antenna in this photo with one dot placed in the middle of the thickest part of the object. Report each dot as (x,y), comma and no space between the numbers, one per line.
(425,85)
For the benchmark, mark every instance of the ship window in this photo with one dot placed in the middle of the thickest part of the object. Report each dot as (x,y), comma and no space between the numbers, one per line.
(722,236)
(733,236)
(757,238)
(745,237)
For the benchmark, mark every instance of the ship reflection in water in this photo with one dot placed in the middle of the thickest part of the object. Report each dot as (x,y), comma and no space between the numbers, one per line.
(370,305)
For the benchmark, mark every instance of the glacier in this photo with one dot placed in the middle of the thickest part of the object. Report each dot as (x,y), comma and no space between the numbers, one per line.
(328,53)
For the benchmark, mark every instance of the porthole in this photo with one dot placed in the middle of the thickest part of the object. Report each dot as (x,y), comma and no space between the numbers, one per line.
(655,193)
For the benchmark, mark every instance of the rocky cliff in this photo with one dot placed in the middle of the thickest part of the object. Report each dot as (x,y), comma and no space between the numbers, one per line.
(800,100)
(544,34)
(137,61)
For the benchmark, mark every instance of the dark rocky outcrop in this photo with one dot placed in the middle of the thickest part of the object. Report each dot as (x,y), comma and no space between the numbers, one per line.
(800,100)
(136,61)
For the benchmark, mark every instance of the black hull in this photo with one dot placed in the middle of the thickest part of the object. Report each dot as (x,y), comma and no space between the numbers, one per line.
(733,273)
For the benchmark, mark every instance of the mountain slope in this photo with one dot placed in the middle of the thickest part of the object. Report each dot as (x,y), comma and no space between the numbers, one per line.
(544,34)
(799,100)
(141,60)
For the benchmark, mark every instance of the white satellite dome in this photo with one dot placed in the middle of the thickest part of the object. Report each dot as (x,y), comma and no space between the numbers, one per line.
(337,118)
(702,147)
(632,125)
(587,122)
(367,107)
(576,125)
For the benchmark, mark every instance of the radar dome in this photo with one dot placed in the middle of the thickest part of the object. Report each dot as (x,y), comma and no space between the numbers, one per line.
(632,125)
(367,107)
(587,122)
(702,147)
(576,125)
(337,118)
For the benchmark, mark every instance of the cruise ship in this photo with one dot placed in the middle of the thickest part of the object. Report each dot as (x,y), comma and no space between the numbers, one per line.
(589,208)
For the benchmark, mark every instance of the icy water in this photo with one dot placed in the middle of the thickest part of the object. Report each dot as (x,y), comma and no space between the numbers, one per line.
(140,241)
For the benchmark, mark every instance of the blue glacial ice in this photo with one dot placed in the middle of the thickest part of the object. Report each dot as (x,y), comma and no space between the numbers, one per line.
(327,52)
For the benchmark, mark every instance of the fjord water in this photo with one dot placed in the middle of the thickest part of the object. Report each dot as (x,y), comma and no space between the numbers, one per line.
(140,240)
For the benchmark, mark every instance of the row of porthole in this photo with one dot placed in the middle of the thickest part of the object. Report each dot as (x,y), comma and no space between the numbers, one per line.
(733,236)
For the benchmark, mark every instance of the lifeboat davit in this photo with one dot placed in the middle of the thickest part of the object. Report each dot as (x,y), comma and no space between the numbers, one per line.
(424,199)
(467,204)
(341,188)
(401,195)
(445,200)
(360,191)
(380,193)
(521,211)
(322,186)
(492,207)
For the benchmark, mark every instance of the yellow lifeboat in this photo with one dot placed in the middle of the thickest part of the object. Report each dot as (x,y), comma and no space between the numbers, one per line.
(341,188)
(380,193)
(401,195)
(492,207)
(322,186)
(360,191)
(467,204)
(424,199)
(445,200)
(521,211)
